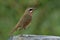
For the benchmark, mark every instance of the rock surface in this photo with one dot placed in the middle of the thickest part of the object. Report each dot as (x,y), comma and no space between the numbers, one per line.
(34,37)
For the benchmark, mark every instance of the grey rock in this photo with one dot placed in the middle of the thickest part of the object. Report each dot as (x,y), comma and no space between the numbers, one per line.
(34,37)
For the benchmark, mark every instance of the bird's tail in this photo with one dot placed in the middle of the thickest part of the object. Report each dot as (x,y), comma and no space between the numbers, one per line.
(11,33)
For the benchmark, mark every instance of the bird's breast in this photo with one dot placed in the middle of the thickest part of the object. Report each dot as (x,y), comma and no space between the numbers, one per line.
(27,19)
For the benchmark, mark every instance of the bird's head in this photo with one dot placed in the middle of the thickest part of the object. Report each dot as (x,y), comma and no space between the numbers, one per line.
(29,11)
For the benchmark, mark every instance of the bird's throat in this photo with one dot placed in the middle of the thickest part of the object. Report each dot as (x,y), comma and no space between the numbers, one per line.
(30,14)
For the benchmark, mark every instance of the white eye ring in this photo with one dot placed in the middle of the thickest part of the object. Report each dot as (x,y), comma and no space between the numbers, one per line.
(30,11)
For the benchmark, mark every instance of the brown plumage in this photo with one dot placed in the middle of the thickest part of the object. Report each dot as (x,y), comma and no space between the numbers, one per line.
(25,20)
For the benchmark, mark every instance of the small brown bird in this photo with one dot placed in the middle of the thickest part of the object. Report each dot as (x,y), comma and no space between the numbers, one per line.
(25,20)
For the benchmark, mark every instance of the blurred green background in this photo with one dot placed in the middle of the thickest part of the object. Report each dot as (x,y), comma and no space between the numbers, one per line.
(45,21)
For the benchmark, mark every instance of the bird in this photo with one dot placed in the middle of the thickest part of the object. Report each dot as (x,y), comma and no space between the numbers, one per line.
(24,20)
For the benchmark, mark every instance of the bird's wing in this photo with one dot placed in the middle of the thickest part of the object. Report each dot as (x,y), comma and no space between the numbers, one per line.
(25,21)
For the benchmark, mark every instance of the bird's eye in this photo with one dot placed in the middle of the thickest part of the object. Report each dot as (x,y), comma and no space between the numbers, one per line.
(30,9)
